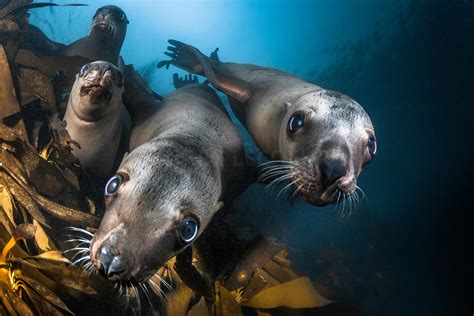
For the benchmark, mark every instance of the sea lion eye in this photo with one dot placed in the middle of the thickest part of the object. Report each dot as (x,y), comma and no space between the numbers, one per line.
(122,17)
(84,69)
(372,145)
(112,186)
(295,122)
(189,229)
(120,79)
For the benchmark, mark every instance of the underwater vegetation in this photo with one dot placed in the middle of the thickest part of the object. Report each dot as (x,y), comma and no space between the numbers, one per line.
(394,255)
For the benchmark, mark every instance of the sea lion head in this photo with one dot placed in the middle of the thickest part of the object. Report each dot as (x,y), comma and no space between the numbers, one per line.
(109,22)
(97,91)
(157,204)
(327,138)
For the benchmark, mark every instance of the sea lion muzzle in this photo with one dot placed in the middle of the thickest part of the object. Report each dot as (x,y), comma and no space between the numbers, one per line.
(99,79)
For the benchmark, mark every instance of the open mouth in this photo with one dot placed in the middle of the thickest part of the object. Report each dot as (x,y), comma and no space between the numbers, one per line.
(96,92)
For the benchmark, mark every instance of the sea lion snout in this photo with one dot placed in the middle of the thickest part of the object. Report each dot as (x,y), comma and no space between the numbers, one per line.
(332,170)
(107,21)
(98,85)
(108,256)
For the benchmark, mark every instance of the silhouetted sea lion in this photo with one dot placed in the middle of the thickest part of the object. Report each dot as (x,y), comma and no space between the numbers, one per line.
(319,139)
(109,26)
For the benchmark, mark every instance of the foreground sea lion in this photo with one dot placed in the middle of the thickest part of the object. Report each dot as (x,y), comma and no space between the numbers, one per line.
(319,139)
(97,119)
(109,26)
(183,162)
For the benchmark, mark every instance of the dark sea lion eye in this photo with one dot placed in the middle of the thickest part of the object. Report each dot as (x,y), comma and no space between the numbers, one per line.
(295,122)
(122,17)
(189,229)
(112,186)
(84,69)
(120,79)
(372,145)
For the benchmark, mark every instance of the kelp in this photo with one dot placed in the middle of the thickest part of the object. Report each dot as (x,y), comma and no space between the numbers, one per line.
(14,7)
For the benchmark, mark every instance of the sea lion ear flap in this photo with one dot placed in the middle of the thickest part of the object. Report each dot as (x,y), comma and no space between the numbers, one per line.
(287,104)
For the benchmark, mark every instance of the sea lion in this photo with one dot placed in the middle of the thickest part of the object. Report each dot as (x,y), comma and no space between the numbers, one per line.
(319,139)
(183,161)
(104,42)
(97,120)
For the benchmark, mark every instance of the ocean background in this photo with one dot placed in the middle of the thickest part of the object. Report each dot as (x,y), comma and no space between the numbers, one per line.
(410,65)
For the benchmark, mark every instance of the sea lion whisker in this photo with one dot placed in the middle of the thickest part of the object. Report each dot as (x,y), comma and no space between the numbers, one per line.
(89,267)
(79,253)
(351,205)
(167,271)
(364,196)
(286,187)
(166,284)
(137,299)
(269,175)
(80,260)
(356,200)
(145,291)
(358,188)
(157,289)
(75,249)
(136,295)
(277,162)
(80,230)
(275,182)
(295,192)
(120,289)
(127,296)
(81,240)
(342,205)
(273,168)
(277,169)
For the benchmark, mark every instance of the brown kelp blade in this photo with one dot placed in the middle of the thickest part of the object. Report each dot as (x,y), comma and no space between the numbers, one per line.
(45,293)
(17,9)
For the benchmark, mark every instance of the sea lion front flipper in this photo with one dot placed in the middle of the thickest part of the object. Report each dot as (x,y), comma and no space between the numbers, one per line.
(180,82)
(191,59)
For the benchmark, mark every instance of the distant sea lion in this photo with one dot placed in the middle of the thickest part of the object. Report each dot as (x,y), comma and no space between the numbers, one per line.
(109,26)
(183,161)
(319,139)
(97,119)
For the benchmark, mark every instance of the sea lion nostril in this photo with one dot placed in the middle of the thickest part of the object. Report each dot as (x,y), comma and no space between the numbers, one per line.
(116,266)
(332,170)
(109,264)
(105,259)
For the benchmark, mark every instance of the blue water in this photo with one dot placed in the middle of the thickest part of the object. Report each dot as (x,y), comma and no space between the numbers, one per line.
(408,63)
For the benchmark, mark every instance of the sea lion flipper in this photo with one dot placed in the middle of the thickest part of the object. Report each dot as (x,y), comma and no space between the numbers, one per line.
(180,82)
(192,60)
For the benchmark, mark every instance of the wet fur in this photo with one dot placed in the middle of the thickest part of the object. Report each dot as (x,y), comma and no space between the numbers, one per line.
(102,129)
(101,44)
(183,160)
(264,99)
